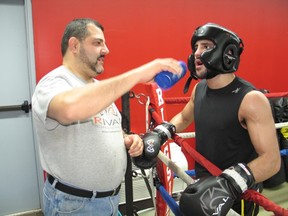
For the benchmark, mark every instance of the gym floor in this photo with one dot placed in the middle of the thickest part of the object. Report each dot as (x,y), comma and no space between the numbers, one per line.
(278,195)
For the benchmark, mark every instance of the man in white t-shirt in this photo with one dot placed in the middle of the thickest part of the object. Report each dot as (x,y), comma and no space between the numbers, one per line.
(81,143)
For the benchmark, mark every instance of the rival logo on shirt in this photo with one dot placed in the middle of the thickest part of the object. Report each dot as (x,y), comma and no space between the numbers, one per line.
(108,117)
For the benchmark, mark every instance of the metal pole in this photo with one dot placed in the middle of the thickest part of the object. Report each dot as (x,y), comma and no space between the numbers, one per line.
(128,174)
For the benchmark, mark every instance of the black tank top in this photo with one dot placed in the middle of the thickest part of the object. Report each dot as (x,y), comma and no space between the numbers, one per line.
(220,137)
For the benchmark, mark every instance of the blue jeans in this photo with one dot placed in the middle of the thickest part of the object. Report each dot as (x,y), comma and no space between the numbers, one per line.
(57,203)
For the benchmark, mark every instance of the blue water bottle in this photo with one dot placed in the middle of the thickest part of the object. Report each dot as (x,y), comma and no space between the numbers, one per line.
(166,79)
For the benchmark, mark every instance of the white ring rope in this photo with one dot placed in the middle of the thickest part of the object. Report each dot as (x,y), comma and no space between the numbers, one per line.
(187,135)
(281,125)
(147,113)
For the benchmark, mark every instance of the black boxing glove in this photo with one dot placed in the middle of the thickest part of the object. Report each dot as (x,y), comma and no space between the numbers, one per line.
(208,196)
(144,163)
(147,159)
(240,178)
(216,195)
(152,142)
(165,131)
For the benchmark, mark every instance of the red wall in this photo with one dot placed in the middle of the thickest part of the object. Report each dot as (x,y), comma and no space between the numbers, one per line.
(139,31)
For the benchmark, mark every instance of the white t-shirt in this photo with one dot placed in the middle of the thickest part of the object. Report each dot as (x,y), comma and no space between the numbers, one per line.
(89,154)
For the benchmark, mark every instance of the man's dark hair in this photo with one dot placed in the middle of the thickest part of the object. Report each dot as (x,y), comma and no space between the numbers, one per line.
(77,28)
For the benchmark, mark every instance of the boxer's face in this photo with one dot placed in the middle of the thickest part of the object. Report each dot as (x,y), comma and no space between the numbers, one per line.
(199,48)
(93,50)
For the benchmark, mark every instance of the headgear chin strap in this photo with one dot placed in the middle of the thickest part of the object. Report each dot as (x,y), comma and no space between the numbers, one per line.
(224,57)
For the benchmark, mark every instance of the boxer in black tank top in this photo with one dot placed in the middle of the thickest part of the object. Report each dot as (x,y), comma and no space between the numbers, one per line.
(218,129)
(234,127)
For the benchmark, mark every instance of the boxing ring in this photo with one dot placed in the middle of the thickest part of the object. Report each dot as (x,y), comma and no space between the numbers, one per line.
(167,170)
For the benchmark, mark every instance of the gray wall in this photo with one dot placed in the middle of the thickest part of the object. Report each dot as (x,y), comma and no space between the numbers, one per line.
(20,175)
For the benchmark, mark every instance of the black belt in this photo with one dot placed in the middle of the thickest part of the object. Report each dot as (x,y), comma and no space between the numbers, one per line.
(80,192)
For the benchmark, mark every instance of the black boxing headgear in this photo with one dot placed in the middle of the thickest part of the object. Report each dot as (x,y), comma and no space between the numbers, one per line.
(224,57)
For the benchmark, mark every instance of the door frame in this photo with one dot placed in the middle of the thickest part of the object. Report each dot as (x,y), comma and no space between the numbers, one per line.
(32,85)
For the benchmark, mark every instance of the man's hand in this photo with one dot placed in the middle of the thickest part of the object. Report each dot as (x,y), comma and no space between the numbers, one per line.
(134,143)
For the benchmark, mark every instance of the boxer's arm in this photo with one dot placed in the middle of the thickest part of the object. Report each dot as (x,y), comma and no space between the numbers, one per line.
(184,118)
(256,115)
